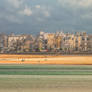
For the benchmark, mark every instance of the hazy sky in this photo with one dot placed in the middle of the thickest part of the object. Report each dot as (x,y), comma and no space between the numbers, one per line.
(31,16)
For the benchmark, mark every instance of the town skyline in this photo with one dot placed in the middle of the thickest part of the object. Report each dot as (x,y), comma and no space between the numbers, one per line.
(79,42)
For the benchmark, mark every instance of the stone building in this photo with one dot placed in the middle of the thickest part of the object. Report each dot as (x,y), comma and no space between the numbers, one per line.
(51,41)
(84,42)
(3,43)
(68,43)
(15,42)
(58,40)
(28,43)
(40,43)
(90,43)
(78,42)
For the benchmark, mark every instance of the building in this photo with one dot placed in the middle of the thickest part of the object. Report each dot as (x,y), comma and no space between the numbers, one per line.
(78,42)
(40,43)
(28,44)
(51,41)
(68,43)
(84,42)
(90,43)
(58,40)
(15,42)
(3,43)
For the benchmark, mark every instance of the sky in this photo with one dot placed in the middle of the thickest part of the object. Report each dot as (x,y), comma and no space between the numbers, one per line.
(33,16)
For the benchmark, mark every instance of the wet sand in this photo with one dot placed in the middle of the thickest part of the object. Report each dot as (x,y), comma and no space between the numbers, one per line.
(24,83)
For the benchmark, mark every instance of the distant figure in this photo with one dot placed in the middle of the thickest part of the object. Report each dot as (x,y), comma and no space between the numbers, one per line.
(22,60)
(39,61)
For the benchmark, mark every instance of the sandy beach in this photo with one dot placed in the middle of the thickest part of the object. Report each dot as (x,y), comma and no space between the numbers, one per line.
(45,59)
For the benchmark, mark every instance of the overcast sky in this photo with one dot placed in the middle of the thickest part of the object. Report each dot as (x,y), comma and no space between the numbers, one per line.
(32,16)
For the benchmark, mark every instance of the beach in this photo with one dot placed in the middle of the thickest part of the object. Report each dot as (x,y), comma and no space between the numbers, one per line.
(46,59)
(31,83)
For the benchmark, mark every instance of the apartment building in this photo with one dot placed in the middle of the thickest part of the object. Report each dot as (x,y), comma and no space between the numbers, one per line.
(58,40)
(90,43)
(15,41)
(84,42)
(68,43)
